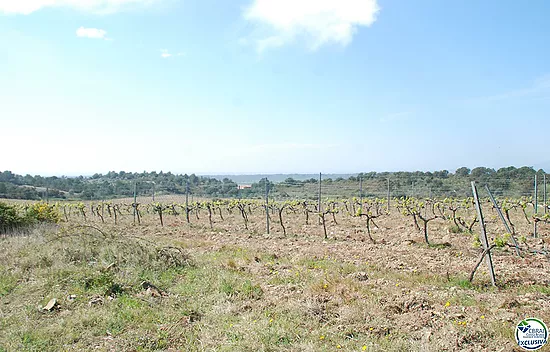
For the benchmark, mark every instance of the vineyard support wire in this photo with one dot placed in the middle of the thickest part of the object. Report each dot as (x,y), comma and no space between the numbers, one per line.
(516,245)
(483,254)
(375,186)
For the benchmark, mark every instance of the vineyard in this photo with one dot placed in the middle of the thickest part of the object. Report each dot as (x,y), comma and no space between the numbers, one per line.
(435,223)
(257,216)
(432,222)
(376,274)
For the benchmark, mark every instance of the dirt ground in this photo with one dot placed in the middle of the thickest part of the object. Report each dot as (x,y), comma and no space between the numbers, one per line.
(399,292)
(416,282)
(398,246)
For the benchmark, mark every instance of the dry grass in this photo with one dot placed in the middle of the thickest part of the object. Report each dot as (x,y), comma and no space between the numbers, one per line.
(231,290)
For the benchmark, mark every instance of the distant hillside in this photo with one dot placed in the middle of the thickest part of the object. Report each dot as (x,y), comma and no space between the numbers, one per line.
(509,181)
(276,178)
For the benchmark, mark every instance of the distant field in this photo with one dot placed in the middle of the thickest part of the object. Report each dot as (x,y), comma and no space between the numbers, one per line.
(224,287)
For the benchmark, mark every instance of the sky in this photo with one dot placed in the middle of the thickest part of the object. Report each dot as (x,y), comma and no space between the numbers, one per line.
(265,86)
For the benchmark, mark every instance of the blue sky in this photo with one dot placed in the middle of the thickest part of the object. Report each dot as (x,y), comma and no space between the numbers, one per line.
(263,86)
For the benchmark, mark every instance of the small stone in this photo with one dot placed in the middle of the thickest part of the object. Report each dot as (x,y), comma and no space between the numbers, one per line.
(152,290)
(51,305)
(96,300)
(360,276)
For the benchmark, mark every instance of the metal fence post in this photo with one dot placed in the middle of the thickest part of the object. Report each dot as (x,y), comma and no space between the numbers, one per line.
(536,196)
(135,201)
(544,193)
(319,192)
(536,208)
(319,199)
(484,239)
(361,193)
(187,200)
(267,204)
(389,195)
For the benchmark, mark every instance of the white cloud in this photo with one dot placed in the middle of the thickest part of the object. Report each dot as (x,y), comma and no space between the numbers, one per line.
(319,22)
(165,54)
(91,33)
(26,7)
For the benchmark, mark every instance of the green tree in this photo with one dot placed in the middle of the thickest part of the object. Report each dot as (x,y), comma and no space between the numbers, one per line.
(462,172)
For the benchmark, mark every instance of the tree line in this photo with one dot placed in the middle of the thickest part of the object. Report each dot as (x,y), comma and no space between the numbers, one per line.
(121,184)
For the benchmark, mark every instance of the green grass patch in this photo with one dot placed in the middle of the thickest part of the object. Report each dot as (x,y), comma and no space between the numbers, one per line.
(226,299)
(8,282)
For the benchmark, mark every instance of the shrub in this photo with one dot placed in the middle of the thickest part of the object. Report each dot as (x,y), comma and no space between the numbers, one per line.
(43,212)
(10,218)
